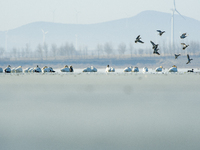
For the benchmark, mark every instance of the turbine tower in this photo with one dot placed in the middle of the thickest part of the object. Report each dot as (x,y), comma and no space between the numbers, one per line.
(172,24)
(44,33)
(6,40)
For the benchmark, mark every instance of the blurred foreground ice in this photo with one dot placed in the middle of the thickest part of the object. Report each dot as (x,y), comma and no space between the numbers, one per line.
(99,111)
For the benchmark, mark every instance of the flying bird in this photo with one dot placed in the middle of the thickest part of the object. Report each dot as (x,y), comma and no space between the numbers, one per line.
(184,35)
(155,48)
(176,55)
(184,46)
(138,39)
(154,45)
(188,59)
(160,32)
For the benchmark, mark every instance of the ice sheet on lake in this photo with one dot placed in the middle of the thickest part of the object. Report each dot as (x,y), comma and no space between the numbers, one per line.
(100,111)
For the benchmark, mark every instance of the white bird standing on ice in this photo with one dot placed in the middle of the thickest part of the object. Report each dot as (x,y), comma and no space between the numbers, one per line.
(110,69)
(135,69)
(173,69)
(47,69)
(159,69)
(37,69)
(128,69)
(30,70)
(145,69)
(18,69)
(90,69)
(7,69)
(13,70)
(65,69)
(1,70)
(26,70)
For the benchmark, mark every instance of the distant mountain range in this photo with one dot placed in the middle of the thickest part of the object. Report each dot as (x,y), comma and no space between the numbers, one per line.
(123,30)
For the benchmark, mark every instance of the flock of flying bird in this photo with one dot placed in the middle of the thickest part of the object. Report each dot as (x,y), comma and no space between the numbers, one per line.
(155,46)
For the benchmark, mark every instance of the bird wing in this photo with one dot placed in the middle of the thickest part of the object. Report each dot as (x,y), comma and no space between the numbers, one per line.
(159,31)
(138,37)
(140,41)
(152,43)
(188,57)
(184,33)
(182,43)
(157,53)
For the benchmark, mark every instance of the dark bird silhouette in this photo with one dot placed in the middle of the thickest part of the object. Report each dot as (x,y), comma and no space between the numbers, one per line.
(184,35)
(188,59)
(176,55)
(138,39)
(160,32)
(190,70)
(184,46)
(155,48)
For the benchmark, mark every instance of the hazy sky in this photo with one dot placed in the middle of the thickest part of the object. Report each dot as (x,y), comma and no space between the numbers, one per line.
(15,13)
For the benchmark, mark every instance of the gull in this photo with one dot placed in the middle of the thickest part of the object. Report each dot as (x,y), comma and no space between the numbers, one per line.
(138,39)
(188,59)
(176,55)
(184,35)
(160,32)
(184,46)
(155,48)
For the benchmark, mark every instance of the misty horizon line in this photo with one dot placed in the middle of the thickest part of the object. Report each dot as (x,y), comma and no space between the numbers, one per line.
(89,23)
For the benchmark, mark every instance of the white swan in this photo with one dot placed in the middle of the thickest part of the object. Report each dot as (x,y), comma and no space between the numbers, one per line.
(159,69)
(18,69)
(90,69)
(135,69)
(26,70)
(173,69)
(1,70)
(145,69)
(13,70)
(47,69)
(51,69)
(30,70)
(7,69)
(110,69)
(128,69)
(65,69)
(37,69)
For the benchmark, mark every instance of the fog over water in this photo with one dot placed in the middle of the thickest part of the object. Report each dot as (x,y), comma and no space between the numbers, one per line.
(99,111)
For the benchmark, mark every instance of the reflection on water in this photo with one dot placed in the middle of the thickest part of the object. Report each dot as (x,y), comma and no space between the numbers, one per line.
(99,111)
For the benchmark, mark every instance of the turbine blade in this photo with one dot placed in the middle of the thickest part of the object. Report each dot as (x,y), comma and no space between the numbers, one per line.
(42,31)
(179,14)
(174,5)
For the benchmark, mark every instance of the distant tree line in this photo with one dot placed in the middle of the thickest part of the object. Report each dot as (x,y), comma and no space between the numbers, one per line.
(107,50)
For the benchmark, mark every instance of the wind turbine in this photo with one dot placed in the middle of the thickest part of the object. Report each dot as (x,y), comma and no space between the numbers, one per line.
(44,33)
(172,24)
(76,41)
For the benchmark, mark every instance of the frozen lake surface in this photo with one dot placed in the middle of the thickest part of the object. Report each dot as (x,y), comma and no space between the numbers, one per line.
(100,111)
